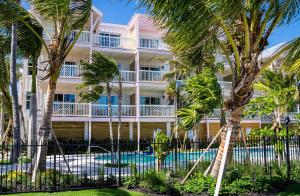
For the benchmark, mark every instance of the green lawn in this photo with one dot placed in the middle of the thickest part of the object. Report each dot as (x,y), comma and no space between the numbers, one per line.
(291,190)
(91,192)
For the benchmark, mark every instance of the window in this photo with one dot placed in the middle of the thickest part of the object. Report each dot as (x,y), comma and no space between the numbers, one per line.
(28,100)
(149,100)
(103,100)
(110,40)
(150,68)
(30,67)
(149,43)
(68,98)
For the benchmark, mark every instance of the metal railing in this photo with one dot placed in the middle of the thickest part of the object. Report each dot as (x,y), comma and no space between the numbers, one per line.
(85,166)
(157,110)
(156,76)
(113,42)
(152,43)
(102,110)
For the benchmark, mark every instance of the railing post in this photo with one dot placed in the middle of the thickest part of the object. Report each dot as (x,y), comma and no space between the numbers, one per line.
(119,165)
(288,162)
(265,153)
(54,173)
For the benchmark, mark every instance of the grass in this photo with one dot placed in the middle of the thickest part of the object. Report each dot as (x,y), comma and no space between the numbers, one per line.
(291,190)
(90,192)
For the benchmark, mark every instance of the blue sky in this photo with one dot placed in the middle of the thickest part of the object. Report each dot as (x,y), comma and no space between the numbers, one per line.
(120,11)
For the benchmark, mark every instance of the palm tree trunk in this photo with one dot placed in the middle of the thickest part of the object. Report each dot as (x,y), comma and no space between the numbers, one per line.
(44,132)
(233,122)
(15,153)
(111,134)
(33,113)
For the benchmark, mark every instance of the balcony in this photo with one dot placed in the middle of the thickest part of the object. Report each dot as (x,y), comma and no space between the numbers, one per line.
(113,42)
(156,76)
(157,110)
(97,110)
(150,43)
(73,71)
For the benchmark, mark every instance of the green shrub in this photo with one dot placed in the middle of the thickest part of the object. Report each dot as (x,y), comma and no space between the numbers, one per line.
(14,179)
(131,181)
(24,159)
(51,178)
(159,182)
(5,162)
(197,184)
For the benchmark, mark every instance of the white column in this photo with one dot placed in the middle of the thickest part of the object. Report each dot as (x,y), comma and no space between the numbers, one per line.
(86,131)
(207,129)
(168,127)
(131,131)
(137,97)
(91,34)
(138,134)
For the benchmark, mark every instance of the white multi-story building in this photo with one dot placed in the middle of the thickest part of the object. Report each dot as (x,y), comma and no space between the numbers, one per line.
(143,60)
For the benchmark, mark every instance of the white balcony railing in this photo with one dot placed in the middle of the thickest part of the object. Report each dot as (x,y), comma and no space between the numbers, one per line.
(151,43)
(151,75)
(102,110)
(157,110)
(70,71)
(71,109)
(127,76)
(113,42)
(84,37)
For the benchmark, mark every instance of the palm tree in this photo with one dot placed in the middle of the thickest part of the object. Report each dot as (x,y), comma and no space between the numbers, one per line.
(240,29)
(66,16)
(31,47)
(15,152)
(201,95)
(101,70)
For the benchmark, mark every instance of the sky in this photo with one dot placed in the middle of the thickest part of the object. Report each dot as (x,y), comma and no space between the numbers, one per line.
(120,12)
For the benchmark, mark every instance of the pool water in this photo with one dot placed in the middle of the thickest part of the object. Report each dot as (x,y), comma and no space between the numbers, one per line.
(239,154)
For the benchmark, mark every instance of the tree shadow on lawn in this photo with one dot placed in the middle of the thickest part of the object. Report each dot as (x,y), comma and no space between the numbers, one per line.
(291,190)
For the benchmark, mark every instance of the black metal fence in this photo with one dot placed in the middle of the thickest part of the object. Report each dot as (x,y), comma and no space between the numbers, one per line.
(94,165)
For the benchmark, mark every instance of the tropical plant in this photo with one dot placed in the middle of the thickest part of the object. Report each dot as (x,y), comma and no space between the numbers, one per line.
(201,95)
(279,97)
(160,147)
(240,29)
(101,70)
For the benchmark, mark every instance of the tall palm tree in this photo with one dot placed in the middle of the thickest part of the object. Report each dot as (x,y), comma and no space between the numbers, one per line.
(102,70)
(31,47)
(240,29)
(65,16)
(15,152)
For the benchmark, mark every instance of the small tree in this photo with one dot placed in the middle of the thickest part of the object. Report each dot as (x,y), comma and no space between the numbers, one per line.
(160,147)
(102,70)
(201,95)
(279,97)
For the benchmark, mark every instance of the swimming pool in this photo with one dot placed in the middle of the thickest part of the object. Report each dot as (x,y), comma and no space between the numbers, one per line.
(239,155)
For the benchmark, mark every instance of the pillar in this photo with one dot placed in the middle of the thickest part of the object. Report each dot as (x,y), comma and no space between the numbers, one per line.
(131,131)
(86,131)
(138,134)
(168,129)
(207,129)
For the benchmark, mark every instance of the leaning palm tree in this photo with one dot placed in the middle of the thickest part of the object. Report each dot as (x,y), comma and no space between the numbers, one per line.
(66,16)
(238,29)
(102,70)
